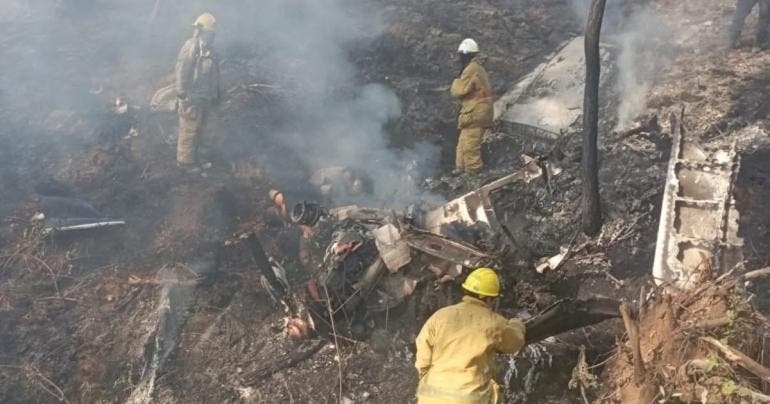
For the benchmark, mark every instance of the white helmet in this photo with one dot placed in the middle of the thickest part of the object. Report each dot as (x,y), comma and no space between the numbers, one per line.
(468,45)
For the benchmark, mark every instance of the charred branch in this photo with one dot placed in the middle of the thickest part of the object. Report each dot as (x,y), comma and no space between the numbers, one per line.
(288,361)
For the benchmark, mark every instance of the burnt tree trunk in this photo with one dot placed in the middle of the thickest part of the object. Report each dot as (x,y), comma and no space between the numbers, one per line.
(592,211)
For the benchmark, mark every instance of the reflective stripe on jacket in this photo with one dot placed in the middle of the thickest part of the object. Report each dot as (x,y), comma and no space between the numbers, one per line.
(456,352)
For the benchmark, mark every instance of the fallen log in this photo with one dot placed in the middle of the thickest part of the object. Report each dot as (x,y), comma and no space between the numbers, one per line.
(568,314)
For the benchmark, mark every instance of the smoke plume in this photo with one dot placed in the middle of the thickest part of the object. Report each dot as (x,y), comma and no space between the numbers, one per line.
(645,46)
(338,119)
(66,58)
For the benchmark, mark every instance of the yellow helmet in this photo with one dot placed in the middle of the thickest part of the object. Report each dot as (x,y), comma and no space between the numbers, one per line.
(484,282)
(206,22)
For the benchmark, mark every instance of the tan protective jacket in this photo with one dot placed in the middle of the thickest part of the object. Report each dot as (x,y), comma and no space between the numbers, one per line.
(456,353)
(197,72)
(475,93)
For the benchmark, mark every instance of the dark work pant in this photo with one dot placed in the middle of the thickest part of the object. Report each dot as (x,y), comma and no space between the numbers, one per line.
(742,10)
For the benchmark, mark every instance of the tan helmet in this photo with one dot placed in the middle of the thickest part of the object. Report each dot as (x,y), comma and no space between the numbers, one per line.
(205,22)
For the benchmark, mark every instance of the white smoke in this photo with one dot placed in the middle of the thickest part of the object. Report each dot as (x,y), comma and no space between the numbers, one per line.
(337,119)
(645,46)
(64,58)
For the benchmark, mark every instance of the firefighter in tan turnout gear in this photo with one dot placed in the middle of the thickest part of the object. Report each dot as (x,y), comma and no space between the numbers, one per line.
(476,114)
(197,86)
(456,347)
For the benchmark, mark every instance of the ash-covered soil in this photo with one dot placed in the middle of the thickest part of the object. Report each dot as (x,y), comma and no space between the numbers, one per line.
(77,311)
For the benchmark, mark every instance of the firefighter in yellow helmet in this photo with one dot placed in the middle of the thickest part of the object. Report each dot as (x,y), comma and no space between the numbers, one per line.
(197,87)
(456,347)
(476,114)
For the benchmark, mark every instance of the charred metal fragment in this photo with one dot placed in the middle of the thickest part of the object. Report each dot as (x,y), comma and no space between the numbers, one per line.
(273,275)
(446,249)
(307,213)
(550,96)
(533,132)
(476,208)
(65,213)
(71,224)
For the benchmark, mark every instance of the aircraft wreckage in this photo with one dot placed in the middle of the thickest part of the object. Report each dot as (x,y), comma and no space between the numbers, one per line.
(698,230)
(375,258)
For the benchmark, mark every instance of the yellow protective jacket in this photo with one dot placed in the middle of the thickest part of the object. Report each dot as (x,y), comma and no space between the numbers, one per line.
(475,93)
(197,72)
(456,353)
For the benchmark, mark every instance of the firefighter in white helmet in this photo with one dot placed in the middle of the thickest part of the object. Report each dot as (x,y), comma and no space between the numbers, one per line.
(474,92)
(197,87)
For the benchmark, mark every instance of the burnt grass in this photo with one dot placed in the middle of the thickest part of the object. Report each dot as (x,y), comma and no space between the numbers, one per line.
(74,310)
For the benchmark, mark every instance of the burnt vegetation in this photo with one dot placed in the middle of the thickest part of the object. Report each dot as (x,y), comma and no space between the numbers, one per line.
(299,259)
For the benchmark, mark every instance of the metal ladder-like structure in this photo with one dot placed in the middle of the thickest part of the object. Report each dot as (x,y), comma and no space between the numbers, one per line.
(698,230)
